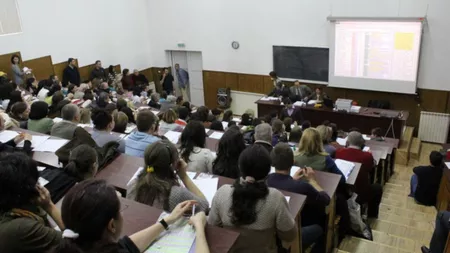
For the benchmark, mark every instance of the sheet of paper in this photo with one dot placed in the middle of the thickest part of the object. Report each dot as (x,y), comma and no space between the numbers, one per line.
(173,136)
(155,112)
(208,187)
(36,141)
(191,174)
(122,136)
(287,198)
(366,149)
(345,167)
(448,165)
(236,119)
(367,138)
(178,238)
(312,102)
(216,135)
(342,141)
(130,128)
(41,168)
(56,120)
(224,124)
(206,130)
(136,175)
(292,173)
(7,135)
(299,103)
(51,145)
(204,175)
(42,181)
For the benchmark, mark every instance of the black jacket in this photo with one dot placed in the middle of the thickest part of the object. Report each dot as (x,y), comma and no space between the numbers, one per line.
(99,73)
(71,75)
(10,147)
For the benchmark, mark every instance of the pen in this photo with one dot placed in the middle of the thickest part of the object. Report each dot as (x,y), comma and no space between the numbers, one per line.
(193,210)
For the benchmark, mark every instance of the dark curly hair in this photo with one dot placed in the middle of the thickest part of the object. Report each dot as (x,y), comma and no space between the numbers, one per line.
(193,135)
(230,147)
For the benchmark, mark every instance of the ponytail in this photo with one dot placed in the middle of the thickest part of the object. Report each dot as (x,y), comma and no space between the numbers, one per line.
(81,161)
(245,196)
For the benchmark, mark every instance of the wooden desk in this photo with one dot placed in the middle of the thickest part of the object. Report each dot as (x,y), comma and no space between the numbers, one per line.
(267,107)
(365,120)
(137,216)
(353,175)
(296,203)
(329,183)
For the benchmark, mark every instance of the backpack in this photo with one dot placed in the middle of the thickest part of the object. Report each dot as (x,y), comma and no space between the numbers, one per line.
(81,136)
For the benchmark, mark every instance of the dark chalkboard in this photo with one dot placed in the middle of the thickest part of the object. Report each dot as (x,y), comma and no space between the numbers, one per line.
(306,63)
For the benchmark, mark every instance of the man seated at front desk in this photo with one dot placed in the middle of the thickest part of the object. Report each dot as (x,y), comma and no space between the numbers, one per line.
(300,92)
(319,95)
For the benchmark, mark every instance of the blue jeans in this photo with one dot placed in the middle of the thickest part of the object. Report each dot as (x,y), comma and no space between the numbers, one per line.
(414,182)
(313,234)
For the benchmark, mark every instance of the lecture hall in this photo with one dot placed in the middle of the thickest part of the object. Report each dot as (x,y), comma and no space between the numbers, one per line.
(224,126)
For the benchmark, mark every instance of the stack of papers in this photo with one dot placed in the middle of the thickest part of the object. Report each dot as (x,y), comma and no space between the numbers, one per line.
(299,103)
(50,145)
(355,109)
(345,167)
(312,102)
(269,98)
(173,136)
(236,119)
(342,141)
(216,135)
(208,186)
(367,138)
(7,135)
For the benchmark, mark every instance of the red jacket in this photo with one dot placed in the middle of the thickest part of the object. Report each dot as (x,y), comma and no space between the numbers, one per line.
(362,184)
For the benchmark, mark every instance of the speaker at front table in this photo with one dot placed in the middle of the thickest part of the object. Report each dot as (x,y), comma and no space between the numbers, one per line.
(223,97)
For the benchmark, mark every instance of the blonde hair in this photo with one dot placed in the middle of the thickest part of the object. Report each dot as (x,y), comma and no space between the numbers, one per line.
(311,143)
(170,116)
(85,116)
(325,133)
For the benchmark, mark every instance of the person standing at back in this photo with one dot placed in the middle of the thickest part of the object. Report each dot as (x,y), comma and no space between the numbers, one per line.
(99,72)
(71,74)
(167,81)
(18,74)
(426,180)
(183,80)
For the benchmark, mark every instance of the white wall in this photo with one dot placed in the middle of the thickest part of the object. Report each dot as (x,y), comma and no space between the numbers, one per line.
(211,25)
(114,31)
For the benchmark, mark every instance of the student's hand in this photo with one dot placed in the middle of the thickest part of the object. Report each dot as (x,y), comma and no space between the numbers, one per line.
(309,174)
(179,210)
(19,138)
(181,168)
(28,137)
(70,96)
(43,200)
(299,174)
(198,220)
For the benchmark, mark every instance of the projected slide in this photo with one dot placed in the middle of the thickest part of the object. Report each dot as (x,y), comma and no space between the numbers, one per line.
(377,50)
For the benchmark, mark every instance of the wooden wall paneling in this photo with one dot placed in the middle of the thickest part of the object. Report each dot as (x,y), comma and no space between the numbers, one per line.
(147,73)
(268,84)
(42,67)
(231,81)
(156,73)
(5,63)
(433,100)
(117,68)
(251,83)
(212,80)
(85,72)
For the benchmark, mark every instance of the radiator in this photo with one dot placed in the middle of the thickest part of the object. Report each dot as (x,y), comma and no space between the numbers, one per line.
(434,126)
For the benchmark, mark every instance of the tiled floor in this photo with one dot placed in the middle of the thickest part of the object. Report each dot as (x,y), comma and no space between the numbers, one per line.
(403,225)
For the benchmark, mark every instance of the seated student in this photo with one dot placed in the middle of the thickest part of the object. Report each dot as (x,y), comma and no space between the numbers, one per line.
(440,234)
(158,185)
(217,126)
(79,93)
(102,100)
(426,180)
(122,106)
(278,133)
(227,116)
(38,121)
(306,124)
(325,135)
(103,125)
(168,103)
(147,128)
(167,122)
(287,122)
(377,134)
(367,192)
(246,120)
(66,128)
(54,88)
(88,95)
(187,105)
(230,147)
(120,122)
(31,86)
(10,146)
(251,207)
(163,96)
(218,113)
(183,114)
(291,112)
(82,165)
(295,135)
(192,149)
(179,101)
(263,136)
(334,136)
(42,90)
(92,215)
(269,118)
(310,153)
(15,97)
(58,102)
(24,206)
(231,123)
(85,116)
(303,182)
(19,114)
(154,101)
(111,108)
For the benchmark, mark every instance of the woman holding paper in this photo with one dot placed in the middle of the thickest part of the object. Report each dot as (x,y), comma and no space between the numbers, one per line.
(18,74)
(158,185)
(193,151)
(92,215)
